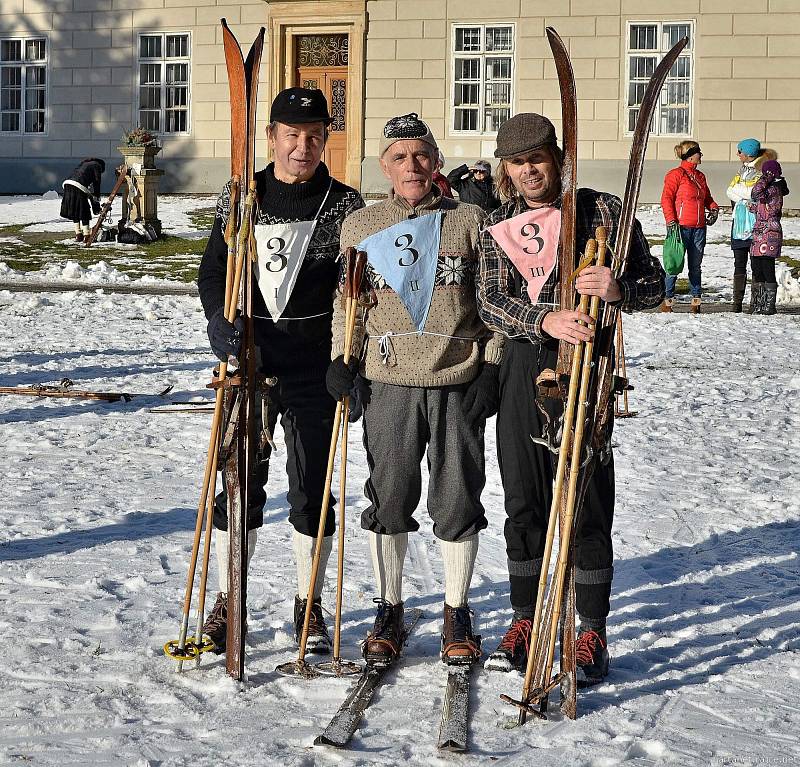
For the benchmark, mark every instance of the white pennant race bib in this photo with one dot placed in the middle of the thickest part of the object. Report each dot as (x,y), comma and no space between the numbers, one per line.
(281,249)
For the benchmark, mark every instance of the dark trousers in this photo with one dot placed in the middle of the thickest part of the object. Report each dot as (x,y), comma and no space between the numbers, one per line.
(763,268)
(740,256)
(527,470)
(306,411)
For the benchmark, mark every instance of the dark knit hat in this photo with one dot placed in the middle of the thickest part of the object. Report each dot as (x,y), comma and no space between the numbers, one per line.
(524,133)
(773,167)
(294,106)
(405,127)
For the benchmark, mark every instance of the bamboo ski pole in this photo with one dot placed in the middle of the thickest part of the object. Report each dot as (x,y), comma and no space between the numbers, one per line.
(566,433)
(565,534)
(211,457)
(622,372)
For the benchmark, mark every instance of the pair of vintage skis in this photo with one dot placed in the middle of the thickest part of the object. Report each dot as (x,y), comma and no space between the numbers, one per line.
(455,705)
(587,410)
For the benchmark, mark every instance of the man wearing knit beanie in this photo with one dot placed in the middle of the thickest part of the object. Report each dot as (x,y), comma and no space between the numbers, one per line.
(432,367)
(300,204)
(518,295)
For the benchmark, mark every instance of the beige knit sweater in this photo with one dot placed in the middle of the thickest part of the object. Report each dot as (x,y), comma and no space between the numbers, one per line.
(455,341)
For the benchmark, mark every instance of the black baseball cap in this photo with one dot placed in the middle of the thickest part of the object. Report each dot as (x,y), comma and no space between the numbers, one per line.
(300,105)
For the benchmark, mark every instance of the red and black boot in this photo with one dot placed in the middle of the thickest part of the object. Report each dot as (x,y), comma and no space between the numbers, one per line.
(591,656)
(512,652)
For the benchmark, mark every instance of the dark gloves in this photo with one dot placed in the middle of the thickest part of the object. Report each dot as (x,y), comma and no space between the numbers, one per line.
(712,216)
(225,338)
(482,397)
(95,203)
(342,380)
(340,377)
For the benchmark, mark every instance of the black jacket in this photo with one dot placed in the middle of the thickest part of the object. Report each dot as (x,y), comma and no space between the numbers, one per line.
(470,190)
(88,174)
(289,346)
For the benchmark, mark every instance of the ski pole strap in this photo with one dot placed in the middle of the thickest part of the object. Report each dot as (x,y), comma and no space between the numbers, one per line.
(386,348)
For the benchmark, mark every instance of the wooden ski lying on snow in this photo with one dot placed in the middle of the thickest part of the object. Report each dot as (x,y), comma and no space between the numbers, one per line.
(65,390)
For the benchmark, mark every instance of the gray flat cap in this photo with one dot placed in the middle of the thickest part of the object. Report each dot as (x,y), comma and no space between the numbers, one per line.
(524,133)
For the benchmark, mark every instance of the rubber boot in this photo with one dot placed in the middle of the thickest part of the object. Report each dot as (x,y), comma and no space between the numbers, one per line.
(739,285)
(756,293)
(770,297)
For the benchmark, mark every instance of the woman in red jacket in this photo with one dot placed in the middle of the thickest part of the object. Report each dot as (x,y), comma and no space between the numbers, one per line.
(685,200)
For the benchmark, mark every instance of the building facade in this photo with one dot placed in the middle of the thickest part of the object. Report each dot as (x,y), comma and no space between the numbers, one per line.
(76,74)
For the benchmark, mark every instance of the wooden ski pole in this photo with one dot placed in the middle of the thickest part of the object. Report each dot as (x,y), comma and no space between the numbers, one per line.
(566,434)
(211,462)
(300,667)
(622,372)
(565,534)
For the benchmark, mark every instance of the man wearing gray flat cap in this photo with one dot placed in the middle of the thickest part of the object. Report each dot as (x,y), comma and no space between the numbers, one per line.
(518,291)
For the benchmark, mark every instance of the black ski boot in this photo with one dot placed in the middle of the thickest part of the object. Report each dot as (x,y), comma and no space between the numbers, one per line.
(591,657)
(319,640)
(512,652)
(216,625)
(459,645)
(739,286)
(770,297)
(383,643)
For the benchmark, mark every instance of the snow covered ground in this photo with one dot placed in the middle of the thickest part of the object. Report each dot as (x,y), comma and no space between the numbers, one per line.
(100,502)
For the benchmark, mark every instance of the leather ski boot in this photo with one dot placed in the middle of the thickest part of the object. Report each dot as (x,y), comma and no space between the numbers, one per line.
(459,645)
(591,657)
(512,652)
(694,308)
(384,642)
(739,285)
(667,305)
(770,297)
(318,640)
(216,625)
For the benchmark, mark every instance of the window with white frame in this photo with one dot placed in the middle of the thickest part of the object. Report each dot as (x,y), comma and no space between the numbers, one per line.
(164,82)
(646,45)
(482,67)
(23,85)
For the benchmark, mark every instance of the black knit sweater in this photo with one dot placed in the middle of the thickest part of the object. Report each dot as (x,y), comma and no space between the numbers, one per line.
(288,347)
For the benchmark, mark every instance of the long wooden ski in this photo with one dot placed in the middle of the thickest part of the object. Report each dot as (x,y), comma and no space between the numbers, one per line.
(67,392)
(243,78)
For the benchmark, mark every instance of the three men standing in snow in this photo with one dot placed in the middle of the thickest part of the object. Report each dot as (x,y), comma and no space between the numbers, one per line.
(456,334)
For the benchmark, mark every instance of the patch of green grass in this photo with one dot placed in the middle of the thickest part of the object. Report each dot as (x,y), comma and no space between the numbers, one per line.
(792,263)
(11,229)
(791,242)
(203,218)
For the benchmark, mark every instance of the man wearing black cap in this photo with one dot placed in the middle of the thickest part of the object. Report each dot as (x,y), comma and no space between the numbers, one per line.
(517,296)
(299,202)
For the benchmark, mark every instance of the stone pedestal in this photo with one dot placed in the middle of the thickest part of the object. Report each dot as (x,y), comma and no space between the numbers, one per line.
(144,178)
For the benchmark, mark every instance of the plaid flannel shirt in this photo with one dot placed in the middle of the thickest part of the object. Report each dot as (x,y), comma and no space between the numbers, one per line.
(503,300)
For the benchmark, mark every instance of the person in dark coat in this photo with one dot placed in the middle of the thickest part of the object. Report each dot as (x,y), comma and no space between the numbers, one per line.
(767,199)
(81,197)
(439,178)
(293,344)
(475,185)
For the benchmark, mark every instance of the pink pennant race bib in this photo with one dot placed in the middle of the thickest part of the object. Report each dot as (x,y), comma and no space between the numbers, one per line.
(530,240)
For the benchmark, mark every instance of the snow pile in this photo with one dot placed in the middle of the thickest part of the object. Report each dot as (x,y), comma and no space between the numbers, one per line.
(101,272)
(788,286)
(51,195)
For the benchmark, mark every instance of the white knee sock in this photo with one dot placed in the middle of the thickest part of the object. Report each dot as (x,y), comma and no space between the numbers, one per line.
(304,546)
(77,227)
(86,229)
(388,554)
(459,561)
(222,548)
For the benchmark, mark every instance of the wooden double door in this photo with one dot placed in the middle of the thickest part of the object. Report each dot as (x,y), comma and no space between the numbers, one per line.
(322,64)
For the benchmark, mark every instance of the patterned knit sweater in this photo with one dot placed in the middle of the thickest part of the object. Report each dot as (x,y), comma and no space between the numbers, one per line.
(455,341)
(290,346)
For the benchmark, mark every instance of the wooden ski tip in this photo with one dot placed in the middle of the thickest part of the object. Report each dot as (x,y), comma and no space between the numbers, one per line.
(452,746)
(321,740)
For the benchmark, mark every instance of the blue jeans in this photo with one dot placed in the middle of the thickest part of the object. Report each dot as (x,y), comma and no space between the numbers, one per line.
(694,240)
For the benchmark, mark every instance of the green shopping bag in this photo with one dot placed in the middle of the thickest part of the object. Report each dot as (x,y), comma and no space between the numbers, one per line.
(674,251)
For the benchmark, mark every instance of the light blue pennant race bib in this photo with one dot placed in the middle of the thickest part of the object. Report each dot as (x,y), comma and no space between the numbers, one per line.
(406,255)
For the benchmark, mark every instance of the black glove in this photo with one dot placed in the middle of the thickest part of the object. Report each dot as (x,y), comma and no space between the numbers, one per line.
(225,337)
(95,203)
(340,377)
(712,216)
(360,396)
(482,397)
